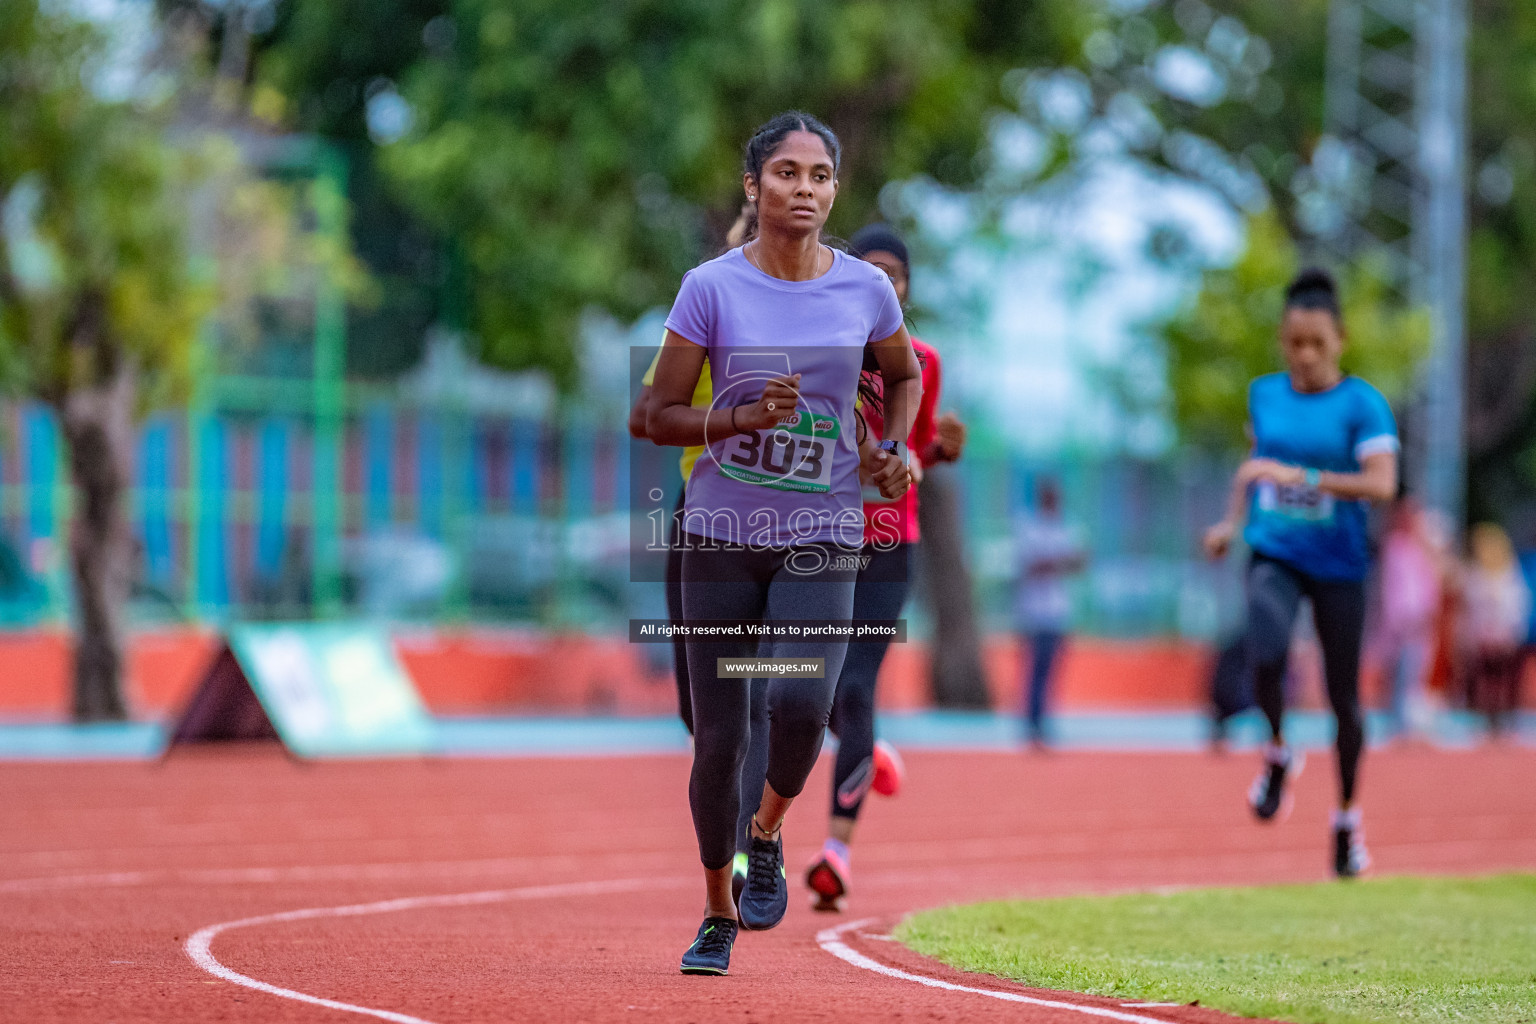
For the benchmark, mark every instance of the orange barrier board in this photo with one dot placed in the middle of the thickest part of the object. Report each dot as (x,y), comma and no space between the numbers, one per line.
(508,670)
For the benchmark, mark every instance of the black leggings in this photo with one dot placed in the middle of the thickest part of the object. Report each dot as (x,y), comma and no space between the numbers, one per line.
(757,753)
(881,591)
(752,585)
(879,594)
(1275,590)
(675,611)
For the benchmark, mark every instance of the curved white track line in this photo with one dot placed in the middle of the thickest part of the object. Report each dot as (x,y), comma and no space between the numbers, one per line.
(831,940)
(198,947)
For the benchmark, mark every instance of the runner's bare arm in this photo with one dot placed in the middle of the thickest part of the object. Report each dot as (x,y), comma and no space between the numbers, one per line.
(1376,481)
(638,412)
(1218,539)
(671,418)
(903,379)
(892,476)
(950,442)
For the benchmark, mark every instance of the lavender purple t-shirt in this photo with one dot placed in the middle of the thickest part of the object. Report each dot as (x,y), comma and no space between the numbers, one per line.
(798,483)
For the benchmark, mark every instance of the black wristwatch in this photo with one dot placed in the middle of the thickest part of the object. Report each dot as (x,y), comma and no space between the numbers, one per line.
(890,445)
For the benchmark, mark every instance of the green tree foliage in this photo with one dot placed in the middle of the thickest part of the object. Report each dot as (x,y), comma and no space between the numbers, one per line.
(1228,335)
(1230,97)
(1265,121)
(588,153)
(95,293)
(315,67)
(93,255)
(511,102)
(124,226)
(1501,321)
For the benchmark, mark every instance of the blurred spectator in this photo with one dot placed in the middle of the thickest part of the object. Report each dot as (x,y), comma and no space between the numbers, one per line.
(1496,609)
(1412,560)
(1048,552)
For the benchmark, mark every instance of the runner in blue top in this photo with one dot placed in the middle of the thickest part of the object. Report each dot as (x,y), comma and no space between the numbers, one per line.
(1324,443)
(773,521)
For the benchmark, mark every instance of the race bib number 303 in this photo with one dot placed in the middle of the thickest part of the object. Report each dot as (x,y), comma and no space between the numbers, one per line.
(1303,504)
(794,456)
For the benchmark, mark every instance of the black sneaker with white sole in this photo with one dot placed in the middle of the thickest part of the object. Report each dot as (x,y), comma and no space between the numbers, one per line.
(711,950)
(1350,857)
(1267,797)
(765,897)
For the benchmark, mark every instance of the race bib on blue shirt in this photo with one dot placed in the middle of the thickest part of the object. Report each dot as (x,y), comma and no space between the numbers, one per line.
(1300,504)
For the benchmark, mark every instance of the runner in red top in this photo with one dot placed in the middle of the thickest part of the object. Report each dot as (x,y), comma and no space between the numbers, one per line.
(893,522)
(890,536)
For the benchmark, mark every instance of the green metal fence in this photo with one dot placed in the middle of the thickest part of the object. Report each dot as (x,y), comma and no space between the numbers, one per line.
(264,502)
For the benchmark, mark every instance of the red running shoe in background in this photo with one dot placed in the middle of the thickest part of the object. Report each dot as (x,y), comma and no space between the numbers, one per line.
(889,771)
(827,878)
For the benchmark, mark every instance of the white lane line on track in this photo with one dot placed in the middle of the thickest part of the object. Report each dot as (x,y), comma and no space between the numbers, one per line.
(831,940)
(199,946)
(1473,851)
(371,872)
(105,880)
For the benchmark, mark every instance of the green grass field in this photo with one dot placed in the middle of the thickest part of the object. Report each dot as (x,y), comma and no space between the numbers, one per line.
(1384,951)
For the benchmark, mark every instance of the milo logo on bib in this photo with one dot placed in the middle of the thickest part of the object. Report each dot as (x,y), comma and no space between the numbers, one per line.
(794,456)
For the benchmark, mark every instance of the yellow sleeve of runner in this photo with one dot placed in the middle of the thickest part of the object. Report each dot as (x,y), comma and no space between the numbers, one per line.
(703,396)
(650,374)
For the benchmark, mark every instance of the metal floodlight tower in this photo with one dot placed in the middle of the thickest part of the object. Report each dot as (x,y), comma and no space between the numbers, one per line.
(1440,237)
(1393,169)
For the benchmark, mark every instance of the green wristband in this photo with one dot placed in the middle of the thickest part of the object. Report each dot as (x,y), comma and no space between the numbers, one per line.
(1313,477)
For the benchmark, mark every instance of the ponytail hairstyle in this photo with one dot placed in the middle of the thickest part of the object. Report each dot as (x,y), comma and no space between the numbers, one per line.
(759,148)
(870,394)
(1314,288)
(766,140)
(744,229)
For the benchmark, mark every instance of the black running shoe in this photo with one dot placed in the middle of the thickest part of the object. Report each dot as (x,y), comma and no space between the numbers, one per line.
(1350,857)
(766,895)
(711,951)
(738,876)
(1267,796)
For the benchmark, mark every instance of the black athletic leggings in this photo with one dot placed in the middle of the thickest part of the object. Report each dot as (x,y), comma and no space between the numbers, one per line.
(752,585)
(880,593)
(757,753)
(1275,590)
(675,610)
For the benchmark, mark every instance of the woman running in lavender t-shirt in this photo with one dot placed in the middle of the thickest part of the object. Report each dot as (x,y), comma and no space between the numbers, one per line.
(773,520)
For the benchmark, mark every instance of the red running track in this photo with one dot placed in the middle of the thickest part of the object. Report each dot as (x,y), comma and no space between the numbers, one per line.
(588,882)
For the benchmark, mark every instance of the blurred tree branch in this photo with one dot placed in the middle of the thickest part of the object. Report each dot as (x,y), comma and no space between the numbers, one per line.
(587,154)
(126,222)
(1228,334)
